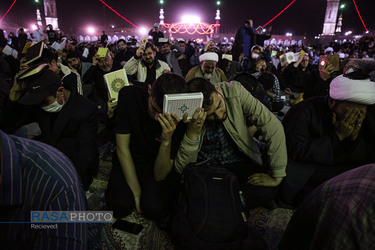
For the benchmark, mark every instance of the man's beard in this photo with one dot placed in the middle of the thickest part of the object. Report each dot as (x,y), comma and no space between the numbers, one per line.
(225,116)
(207,76)
(106,69)
(147,63)
(76,66)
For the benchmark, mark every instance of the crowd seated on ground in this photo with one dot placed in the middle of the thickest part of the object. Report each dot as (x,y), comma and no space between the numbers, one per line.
(327,118)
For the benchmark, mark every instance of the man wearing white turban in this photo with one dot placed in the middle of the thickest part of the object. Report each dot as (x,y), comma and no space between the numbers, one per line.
(207,69)
(329,135)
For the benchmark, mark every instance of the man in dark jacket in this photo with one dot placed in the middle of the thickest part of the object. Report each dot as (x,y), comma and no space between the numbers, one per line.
(123,55)
(103,38)
(329,135)
(171,53)
(301,74)
(156,34)
(94,75)
(244,40)
(261,36)
(68,121)
(22,38)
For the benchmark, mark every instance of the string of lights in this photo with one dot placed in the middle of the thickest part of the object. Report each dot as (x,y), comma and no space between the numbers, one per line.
(8,10)
(200,28)
(360,17)
(109,7)
(279,13)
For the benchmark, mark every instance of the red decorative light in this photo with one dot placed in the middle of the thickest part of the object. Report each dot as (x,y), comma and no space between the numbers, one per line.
(200,28)
(360,17)
(109,7)
(280,13)
(8,10)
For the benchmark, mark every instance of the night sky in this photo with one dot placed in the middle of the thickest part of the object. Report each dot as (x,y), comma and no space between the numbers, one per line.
(304,17)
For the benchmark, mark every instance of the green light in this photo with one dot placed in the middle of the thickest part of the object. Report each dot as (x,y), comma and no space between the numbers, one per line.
(37,1)
(218,3)
(161,1)
(342,6)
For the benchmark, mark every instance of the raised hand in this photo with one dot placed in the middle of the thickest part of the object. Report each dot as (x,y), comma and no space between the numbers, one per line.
(111,106)
(95,60)
(346,125)
(17,89)
(357,126)
(23,66)
(168,123)
(195,124)
(140,51)
(326,72)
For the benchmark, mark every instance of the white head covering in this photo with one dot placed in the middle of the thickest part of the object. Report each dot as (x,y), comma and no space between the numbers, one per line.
(329,49)
(358,91)
(209,56)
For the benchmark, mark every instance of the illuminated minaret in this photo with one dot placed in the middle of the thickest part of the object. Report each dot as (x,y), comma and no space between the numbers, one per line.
(50,13)
(217,18)
(339,24)
(38,18)
(331,17)
(161,12)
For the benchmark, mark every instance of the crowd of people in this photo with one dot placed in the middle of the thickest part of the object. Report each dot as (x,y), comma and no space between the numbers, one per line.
(282,125)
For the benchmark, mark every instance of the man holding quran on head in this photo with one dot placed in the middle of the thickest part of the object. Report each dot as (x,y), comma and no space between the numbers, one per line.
(218,133)
(147,140)
(102,64)
(171,52)
(37,54)
(68,121)
(144,66)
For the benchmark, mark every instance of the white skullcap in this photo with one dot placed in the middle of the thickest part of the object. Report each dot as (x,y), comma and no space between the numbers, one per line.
(341,55)
(209,56)
(358,91)
(329,49)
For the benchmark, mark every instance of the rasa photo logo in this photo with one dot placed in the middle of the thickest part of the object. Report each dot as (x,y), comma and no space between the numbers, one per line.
(71,216)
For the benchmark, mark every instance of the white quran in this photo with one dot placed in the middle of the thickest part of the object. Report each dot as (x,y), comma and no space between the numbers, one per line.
(182,103)
(9,51)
